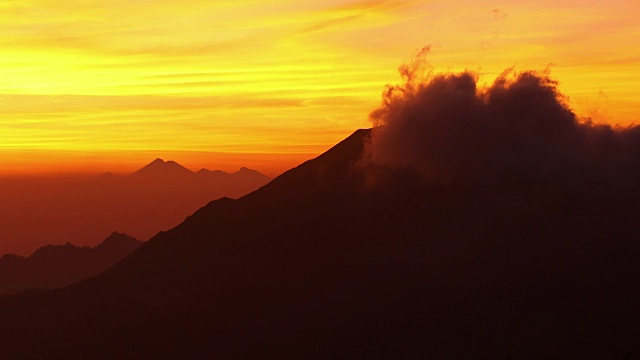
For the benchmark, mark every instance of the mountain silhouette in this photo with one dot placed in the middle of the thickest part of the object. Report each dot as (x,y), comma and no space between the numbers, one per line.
(163,169)
(81,210)
(55,266)
(244,174)
(339,259)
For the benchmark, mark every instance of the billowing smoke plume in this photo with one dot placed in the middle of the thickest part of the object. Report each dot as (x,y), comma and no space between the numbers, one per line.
(519,130)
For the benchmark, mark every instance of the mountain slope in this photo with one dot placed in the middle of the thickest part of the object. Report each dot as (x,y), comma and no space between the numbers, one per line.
(324,263)
(56,266)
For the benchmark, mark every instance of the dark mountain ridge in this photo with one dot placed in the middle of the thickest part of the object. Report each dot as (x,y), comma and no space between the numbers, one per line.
(55,266)
(323,262)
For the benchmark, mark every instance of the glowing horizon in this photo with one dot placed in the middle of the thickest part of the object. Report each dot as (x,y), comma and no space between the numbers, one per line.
(95,86)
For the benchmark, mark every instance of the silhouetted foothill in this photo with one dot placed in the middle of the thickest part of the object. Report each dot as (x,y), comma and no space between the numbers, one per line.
(55,266)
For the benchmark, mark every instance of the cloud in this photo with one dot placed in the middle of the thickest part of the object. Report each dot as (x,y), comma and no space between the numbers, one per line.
(518,131)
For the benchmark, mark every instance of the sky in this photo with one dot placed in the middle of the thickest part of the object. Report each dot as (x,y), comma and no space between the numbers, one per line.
(93,86)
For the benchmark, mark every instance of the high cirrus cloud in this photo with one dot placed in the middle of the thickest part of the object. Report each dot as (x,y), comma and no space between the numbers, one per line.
(519,130)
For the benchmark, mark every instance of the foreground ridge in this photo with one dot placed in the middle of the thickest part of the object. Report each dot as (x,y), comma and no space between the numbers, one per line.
(340,258)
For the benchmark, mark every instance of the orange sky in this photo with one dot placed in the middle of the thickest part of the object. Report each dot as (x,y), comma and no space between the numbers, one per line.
(90,85)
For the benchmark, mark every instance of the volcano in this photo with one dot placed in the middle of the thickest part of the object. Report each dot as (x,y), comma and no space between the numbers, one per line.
(339,259)
(161,168)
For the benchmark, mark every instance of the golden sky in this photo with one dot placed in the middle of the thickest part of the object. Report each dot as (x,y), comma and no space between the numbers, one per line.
(88,85)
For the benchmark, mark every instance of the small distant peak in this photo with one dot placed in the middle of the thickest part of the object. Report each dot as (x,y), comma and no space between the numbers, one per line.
(208,172)
(120,235)
(117,238)
(159,168)
(245,170)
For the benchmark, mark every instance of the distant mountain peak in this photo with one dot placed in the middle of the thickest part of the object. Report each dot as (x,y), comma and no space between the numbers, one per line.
(243,172)
(118,236)
(207,171)
(159,167)
(117,240)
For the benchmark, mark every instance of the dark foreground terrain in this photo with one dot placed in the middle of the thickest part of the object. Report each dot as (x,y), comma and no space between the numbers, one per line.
(329,261)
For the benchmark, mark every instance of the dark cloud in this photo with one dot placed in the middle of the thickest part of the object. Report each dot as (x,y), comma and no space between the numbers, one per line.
(518,131)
